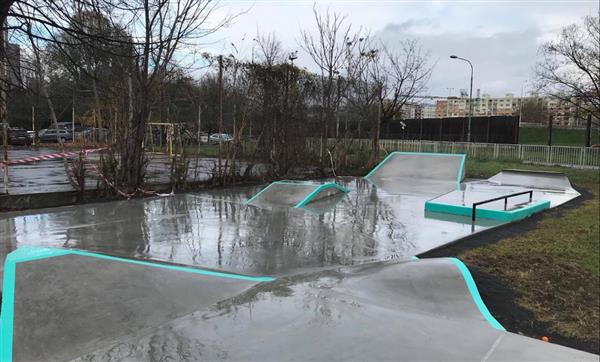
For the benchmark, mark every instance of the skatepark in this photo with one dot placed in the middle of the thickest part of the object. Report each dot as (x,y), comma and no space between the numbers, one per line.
(271,272)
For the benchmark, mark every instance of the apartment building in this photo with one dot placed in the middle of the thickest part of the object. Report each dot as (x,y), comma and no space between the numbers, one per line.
(564,113)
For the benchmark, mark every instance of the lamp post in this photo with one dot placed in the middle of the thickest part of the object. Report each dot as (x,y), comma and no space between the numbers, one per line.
(470,96)
(521,103)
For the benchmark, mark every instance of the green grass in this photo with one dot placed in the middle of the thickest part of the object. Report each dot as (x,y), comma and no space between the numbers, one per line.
(560,136)
(554,267)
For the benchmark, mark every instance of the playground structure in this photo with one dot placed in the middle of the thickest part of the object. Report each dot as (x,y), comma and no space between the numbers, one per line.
(164,138)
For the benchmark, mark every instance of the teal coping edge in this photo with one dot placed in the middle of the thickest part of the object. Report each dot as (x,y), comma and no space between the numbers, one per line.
(461,168)
(284,182)
(501,215)
(323,187)
(472,287)
(308,198)
(28,253)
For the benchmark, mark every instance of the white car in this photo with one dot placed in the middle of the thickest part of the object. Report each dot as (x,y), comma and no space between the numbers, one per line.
(220,137)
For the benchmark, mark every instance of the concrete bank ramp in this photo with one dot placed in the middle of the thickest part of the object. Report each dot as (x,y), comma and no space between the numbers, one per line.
(418,173)
(68,305)
(545,180)
(295,193)
(59,304)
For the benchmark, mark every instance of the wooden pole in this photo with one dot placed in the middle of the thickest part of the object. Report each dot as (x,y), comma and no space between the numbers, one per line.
(3,108)
(550,130)
(588,131)
(220,109)
(33,126)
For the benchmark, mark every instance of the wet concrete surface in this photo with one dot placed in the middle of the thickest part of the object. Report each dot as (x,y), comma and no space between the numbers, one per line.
(411,311)
(346,287)
(214,229)
(118,299)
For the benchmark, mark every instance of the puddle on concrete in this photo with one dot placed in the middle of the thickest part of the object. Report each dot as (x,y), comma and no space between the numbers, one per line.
(214,229)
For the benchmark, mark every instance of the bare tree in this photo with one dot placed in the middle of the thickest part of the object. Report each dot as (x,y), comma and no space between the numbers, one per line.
(40,75)
(398,75)
(154,32)
(570,68)
(4,9)
(157,28)
(270,49)
(328,48)
(361,93)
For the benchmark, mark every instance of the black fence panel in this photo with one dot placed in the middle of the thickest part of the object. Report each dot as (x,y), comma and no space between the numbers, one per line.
(493,129)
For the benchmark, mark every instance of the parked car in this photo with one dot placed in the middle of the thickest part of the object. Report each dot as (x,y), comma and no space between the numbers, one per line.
(96,134)
(53,135)
(69,126)
(220,137)
(203,137)
(18,136)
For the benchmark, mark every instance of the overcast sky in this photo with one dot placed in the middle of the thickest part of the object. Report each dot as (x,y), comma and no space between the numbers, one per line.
(501,38)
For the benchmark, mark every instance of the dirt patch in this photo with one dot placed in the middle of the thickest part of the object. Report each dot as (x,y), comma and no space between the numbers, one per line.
(531,293)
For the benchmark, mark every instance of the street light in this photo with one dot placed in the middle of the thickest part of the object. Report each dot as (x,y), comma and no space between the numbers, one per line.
(521,103)
(470,96)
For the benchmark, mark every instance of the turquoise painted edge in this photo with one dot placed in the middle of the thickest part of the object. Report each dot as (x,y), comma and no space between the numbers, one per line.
(472,287)
(7,314)
(379,164)
(27,253)
(322,187)
(501,215)
(260,192)
(460,171)
(22,254)
(283,182)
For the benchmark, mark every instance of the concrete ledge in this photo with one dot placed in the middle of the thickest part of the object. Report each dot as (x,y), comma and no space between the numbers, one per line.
(42,200)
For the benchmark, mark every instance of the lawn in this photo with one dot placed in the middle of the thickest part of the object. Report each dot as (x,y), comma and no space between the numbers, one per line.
(550,262)
(560,136)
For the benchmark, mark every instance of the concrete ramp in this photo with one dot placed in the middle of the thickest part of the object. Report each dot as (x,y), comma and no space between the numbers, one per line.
(545,180)
(425,310)
(63,304)
(295,194)
(59,304)
(440,167)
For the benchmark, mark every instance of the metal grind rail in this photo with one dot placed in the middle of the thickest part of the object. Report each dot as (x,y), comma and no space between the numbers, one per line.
(505,197)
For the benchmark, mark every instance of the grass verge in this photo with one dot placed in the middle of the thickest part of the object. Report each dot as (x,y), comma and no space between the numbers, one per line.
(540,276)
(560,136)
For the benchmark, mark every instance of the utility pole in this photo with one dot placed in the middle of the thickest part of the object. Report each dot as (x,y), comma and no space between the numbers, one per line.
(3,108)
(588,131)
(521,103)
(199,123)
(220,109)
(33,126)
(234,122)
(73,119)
(470,95)
(550,130)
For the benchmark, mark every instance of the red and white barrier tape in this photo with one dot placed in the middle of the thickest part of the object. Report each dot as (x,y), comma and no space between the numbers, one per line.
(125,194)
(51,156)
(84,153)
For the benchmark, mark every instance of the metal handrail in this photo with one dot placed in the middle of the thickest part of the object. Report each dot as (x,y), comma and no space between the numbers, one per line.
(505,197)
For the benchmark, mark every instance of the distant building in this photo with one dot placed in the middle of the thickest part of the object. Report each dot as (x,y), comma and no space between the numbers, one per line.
(429,111)
(564,113)
(418,111)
